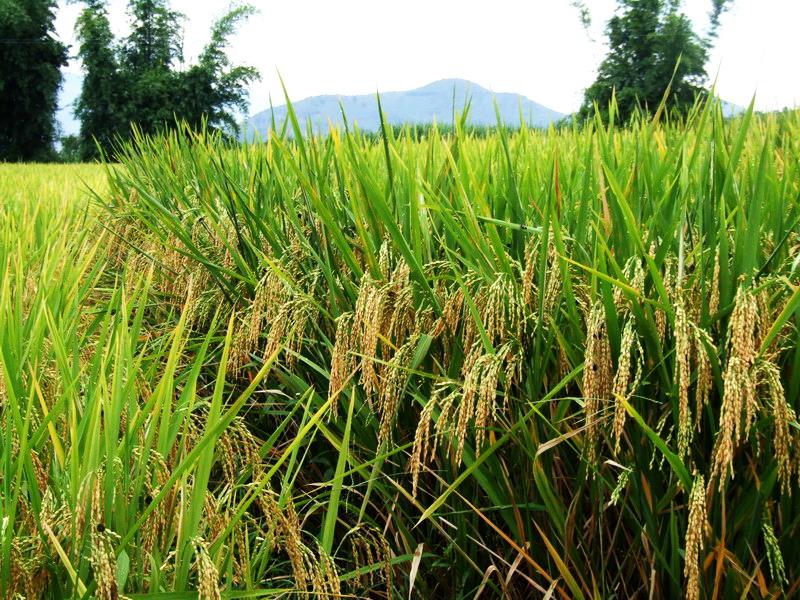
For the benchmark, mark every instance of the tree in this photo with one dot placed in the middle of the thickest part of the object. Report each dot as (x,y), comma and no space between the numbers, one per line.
(97,108)
(149,57)
(141,79)
(154,43)
(651,44)
(30,62)
(213,88)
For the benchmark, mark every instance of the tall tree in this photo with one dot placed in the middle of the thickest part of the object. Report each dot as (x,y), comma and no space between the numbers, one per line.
(148,57)
(154,43)
(30,63)
(146,82)
(213,89)
(651,43)
(98,108)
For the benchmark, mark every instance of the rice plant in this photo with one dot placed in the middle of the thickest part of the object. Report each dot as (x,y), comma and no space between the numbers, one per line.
(552,363)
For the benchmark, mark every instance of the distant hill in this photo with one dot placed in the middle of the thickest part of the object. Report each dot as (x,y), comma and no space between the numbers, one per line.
(434,101)
(729,109)
(422,105)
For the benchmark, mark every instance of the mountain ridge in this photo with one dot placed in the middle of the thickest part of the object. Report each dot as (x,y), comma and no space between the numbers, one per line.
(422,105)
(431,102)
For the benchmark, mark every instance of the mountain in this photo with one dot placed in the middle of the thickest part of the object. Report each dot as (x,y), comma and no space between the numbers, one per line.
(67,96)
(729,109)
(422,105)
(434,101)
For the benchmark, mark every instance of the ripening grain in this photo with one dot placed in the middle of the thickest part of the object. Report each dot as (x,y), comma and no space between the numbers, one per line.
(557,361)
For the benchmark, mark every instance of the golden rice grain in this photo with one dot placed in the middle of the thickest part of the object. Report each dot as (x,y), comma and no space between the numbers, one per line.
(739,400)
(683,357)
(695,532)
(104,562)
(367,319)
(705,381)
(344,361)
(597,376)
(207,573)
(626,379)
(785,435)
(392,387)
(713,301)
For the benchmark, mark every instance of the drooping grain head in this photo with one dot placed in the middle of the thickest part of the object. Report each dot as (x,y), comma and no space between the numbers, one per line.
(367,319)
(529,273)
(448,399)
(289,327)
(683,358)
(344,362)
(500,305)
(393,384)
(251,321)
(272,521)
(326,579)
(553,280)
(627,378)
(713,302)
(453,311)
(738,392)
(705,381)
(482,381)
(207,573)
(622,483)
(399,316)
(422,441)
(293,545)
(597,376)
(695,534)
(742,327)
(777,568)
(634,273)
(104,563)
(785,436)
(740,398)
(478,397)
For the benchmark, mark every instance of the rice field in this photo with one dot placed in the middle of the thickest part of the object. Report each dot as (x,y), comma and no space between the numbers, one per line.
(431,364)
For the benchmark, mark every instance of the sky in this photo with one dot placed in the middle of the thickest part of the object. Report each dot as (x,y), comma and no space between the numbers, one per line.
(537,48)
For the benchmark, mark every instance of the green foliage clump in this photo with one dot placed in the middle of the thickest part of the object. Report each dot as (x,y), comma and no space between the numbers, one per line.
(141,79)
(653,49)
(30,62)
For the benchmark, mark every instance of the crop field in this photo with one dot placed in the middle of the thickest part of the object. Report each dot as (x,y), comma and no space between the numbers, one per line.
(521,364)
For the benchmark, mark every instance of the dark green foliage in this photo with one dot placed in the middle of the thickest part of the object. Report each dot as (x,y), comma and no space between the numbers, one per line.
(98,107)
(147,59)
(30,59)
(141,79)
(717,8)
(652,48)
(154,44)
(213,87)
(70,151)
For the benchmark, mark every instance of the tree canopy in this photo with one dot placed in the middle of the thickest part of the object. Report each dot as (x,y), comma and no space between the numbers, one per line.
(143,80)
(652,44)
(30,62)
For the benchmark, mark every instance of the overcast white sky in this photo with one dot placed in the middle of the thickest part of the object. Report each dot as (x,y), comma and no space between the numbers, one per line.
(537,48)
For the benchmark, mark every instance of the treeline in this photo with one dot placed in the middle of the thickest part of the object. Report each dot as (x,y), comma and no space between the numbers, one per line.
(30,74)
(653,50)
(143,79)
(139,79)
